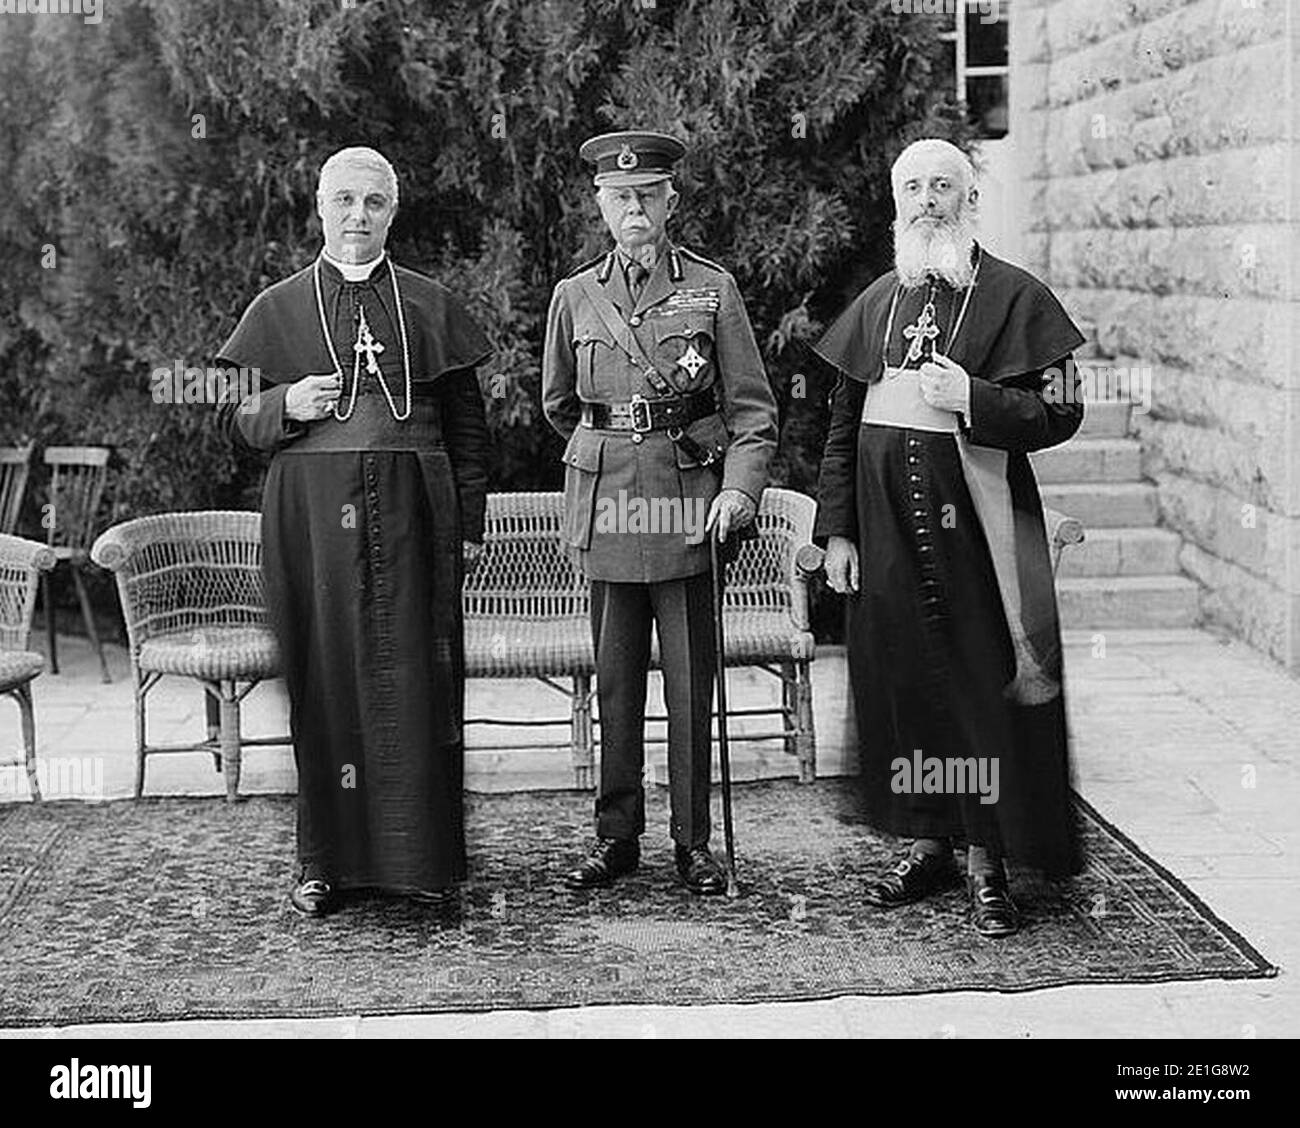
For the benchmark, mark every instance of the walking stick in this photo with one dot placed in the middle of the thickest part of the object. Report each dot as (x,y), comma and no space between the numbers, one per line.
(724,753)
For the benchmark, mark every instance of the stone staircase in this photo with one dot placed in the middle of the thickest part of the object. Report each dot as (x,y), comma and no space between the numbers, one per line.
(1125,574)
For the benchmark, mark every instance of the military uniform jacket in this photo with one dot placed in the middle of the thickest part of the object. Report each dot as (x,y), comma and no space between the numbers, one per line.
(622,494)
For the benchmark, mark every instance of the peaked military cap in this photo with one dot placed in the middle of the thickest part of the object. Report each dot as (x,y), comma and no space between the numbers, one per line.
(632,158)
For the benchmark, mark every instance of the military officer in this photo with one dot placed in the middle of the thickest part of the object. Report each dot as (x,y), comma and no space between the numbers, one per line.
(652,374)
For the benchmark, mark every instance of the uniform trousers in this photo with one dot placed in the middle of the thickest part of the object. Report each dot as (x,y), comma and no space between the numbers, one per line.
(621,616)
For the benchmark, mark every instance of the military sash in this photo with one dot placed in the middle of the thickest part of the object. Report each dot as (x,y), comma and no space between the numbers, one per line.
(626,340)
(623,335)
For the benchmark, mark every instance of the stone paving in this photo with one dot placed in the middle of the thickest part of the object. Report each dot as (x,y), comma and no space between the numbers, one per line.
(1187,741)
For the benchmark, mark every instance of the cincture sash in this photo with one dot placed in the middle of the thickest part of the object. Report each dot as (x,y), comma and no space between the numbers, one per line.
(896,401)
(372,427)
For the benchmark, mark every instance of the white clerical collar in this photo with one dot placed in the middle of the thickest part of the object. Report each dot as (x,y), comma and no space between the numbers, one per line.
(353,271)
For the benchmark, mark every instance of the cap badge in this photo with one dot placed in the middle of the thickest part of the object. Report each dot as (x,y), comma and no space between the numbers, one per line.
(626,158)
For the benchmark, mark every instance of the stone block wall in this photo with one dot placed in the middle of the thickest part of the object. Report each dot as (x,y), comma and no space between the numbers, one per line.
(1156,144)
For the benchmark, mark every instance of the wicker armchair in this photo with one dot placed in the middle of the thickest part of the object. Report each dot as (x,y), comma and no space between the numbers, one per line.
(21,564)
(526,608)
(190,585)
(527,614)
(1062,531)
(766,619)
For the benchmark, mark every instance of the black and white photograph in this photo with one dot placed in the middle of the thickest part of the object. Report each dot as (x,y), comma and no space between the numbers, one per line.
(650,520)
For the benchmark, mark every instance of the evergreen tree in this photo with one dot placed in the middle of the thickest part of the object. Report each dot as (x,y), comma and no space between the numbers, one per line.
(161,169)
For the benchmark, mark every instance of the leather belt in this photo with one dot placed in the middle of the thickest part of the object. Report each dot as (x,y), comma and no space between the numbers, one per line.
(641,415)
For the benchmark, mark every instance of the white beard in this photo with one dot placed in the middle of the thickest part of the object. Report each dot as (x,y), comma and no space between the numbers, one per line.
(944,251)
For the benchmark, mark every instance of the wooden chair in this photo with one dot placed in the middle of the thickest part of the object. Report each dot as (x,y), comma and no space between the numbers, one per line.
(192,597)
(21,563)
(15,462)
(77,476)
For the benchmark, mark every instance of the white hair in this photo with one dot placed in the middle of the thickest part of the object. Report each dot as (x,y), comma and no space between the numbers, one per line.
(928,145)
(358,156)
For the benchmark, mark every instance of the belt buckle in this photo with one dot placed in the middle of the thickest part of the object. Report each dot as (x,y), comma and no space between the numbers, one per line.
(640,407)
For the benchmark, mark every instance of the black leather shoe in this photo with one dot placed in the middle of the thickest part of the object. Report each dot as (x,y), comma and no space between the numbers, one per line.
(915,877)
(700,871)
(313,898)
(610,858)
(992,911)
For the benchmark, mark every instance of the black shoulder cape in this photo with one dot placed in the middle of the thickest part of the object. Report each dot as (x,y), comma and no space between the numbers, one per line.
(280,332)
(1014,325)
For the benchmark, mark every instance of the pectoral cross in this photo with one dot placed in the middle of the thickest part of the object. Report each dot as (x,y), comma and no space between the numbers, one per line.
(366,343)
(922,333)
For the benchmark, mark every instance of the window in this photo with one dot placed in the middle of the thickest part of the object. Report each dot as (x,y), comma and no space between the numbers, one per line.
(981,62)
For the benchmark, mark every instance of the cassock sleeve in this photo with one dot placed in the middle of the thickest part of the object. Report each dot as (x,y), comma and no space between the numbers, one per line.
(465,431)
(559,375)
(837,512)
(1026,413)
(258,421)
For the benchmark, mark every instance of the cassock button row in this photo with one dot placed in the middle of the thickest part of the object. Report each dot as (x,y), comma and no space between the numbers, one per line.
(918,513)
(636,436)
(917,495)
(915,479)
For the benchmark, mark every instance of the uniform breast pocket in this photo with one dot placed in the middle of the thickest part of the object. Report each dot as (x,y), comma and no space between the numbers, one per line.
(684,349)
(593,348)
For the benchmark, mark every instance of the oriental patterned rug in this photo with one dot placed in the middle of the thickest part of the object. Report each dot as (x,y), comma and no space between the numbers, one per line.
(177,908)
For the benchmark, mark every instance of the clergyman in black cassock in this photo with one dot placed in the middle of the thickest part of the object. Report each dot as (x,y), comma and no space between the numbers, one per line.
(373,503)
(953,367)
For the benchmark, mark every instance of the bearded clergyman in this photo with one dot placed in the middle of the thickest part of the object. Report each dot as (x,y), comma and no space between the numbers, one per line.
(373,505)
(953,367)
